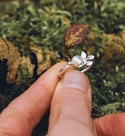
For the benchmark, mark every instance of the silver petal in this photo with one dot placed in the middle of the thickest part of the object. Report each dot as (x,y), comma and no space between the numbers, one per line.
(83,54)
(90,57)
(89,63)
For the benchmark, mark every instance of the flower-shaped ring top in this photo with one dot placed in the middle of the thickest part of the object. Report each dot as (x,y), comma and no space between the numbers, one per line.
(78,62)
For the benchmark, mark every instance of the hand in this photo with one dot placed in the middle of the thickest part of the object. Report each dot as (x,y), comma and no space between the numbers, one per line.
(70,108)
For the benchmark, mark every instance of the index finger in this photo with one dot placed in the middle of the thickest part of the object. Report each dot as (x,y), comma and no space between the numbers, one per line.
(25,111)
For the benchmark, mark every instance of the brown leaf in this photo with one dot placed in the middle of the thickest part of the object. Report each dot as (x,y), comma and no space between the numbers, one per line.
(9,52)
(76,34)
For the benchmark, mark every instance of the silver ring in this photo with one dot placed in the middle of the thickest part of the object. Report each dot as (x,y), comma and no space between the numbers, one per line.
(78,62)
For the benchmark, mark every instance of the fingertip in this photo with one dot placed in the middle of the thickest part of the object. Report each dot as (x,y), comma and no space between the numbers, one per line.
(75,79)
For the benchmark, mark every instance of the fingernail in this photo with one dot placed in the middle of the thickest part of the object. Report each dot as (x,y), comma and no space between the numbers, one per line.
(75,79)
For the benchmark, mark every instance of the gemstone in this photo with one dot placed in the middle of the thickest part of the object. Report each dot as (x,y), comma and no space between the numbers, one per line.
(77,60)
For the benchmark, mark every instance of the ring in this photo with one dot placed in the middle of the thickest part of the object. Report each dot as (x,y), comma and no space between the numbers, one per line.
(78,62)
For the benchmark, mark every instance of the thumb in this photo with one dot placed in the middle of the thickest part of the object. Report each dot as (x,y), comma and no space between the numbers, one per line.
(71,107)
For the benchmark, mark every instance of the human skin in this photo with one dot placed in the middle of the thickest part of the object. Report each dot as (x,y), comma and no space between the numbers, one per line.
(69,100)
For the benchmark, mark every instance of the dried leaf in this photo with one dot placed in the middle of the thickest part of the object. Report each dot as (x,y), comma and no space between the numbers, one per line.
(76,34)
(9,52)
